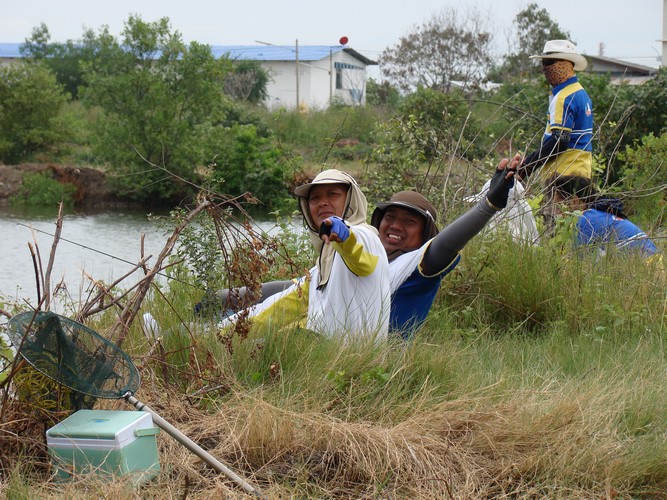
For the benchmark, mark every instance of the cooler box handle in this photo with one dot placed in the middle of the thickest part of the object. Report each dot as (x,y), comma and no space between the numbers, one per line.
(150,431)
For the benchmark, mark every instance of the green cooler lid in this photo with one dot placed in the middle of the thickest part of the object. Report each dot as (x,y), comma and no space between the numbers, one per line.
(101,424)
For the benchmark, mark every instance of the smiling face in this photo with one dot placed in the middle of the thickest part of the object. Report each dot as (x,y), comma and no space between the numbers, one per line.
(325,200)
(401,229)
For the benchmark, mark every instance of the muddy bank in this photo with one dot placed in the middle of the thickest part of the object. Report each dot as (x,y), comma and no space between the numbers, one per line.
(92,190)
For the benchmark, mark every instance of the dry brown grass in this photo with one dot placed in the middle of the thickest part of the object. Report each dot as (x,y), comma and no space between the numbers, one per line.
(559,442)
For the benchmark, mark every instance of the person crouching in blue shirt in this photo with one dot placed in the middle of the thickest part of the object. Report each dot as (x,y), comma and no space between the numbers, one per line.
(602,221)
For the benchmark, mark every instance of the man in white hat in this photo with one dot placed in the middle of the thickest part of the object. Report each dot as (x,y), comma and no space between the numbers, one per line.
(566,147)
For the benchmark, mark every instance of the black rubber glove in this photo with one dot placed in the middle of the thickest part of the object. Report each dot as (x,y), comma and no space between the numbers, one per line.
(554,145)
(499,189)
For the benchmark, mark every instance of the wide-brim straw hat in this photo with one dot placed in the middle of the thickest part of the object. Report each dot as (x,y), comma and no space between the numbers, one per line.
(565,50)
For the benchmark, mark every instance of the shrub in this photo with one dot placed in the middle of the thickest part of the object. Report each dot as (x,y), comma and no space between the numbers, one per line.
(317,132)
(30,103)
(246,162)
(40,189)
(645,178)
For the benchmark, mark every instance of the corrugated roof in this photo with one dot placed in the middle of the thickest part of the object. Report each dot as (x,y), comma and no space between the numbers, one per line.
(284,52)
(623,65)
(275,52)
(248,52)
(10,50)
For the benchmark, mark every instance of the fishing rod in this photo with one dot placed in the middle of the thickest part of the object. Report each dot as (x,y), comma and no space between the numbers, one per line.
(102,253)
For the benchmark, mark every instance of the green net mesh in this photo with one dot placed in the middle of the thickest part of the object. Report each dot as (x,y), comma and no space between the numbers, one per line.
(73,355)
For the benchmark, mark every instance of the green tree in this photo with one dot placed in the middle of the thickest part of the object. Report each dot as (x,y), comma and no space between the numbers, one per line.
(247,162)
(431,131)
(644,180)
(624,116)
(454,127)
(158,97)
(381,94)
(247,82)
(30,104)
(531,29)
(649,115)
(66,60)
(447,48)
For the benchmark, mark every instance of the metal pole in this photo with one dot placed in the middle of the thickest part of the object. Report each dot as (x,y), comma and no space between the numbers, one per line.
(664,33)
(298,101)
(192,446)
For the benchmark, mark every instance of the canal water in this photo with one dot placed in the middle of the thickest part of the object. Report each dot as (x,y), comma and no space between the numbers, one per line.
(104,245)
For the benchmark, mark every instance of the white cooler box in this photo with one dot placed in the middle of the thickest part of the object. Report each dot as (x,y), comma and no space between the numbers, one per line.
(112,443)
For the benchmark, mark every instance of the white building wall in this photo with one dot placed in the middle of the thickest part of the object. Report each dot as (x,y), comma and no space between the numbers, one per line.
(320,83)
(282,84)
(317,82)
(352,80)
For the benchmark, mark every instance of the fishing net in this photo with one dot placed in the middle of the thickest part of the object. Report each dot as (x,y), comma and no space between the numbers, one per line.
(73,355)
(78,358)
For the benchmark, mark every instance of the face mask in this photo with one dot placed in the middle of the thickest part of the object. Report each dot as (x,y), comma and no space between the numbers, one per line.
(557,72)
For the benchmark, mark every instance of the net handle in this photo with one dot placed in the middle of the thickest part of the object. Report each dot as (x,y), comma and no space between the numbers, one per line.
(192,446)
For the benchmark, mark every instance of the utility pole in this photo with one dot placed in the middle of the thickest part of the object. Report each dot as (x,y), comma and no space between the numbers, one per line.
(664,33)
(331,76)
(298,101)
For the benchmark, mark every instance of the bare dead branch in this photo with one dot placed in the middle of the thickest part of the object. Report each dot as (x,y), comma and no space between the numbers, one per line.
(35,265)
(52,257)
(122,325)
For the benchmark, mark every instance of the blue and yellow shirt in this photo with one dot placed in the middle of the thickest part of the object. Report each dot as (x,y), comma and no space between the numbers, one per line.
(571,109)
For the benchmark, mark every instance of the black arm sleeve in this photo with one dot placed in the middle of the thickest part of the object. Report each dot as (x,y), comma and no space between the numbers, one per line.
(450,241)
(553,146)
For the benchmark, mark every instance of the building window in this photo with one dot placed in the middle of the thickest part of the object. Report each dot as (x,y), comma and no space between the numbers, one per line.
(339,78)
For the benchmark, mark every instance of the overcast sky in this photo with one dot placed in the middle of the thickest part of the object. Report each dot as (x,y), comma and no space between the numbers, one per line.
(629,30)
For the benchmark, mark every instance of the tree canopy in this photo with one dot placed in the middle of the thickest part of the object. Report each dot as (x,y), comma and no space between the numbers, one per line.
(531,29)
(449,47)
(158,96)
(30,105)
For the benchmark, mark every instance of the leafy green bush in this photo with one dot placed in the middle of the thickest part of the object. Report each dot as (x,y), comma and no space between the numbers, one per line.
(431,139)
(645,178)
(40,189)
(397,156)
(245,162)
(154,108)
(454,130)
(30,103)
(650,108)
(382,94)
(316,133)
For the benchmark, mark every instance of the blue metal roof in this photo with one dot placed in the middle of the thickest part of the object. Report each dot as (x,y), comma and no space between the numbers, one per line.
(247,52)
(275,52)
(10,50)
